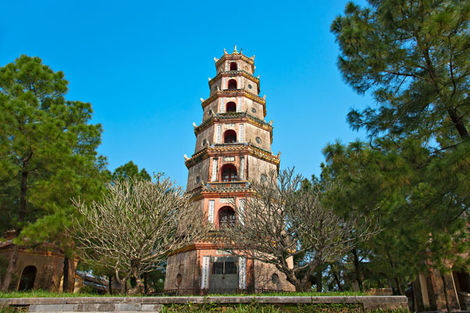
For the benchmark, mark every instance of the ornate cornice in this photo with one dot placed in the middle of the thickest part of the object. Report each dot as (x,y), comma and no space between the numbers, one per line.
(221,190)
(235,56)
(232,74)
(223,149)
(215,241)
(234,93)
(234,117)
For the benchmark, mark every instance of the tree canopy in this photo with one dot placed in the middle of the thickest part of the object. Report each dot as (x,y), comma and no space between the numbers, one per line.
(130,171)
(47,152)
(47,146)
(413,55)
(135,225)
(414,173)
(285,224)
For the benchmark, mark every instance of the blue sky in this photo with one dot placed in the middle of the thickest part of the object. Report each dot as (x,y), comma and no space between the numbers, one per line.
(144,65)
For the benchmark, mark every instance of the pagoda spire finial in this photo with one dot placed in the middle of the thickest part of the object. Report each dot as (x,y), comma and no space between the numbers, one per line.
(235,50)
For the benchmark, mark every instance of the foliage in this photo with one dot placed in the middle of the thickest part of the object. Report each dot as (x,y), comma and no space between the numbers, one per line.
(413,55)
(266,308)
(283,223)
(130,171)
(48,148)
(14,309)
(414,174)
(420,216)
(135,225)
(47,153)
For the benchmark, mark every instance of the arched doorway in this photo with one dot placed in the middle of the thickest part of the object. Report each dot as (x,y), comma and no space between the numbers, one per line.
(229,173)
(232,84)
(27,278)
(231,107)
(230,136)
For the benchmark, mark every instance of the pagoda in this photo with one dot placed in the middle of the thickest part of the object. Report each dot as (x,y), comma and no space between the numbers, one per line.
(233,147)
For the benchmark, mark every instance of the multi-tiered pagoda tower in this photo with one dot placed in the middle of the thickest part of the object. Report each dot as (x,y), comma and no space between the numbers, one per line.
(233,147)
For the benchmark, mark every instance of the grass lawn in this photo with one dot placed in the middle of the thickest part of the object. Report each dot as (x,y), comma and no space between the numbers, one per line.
(41,293)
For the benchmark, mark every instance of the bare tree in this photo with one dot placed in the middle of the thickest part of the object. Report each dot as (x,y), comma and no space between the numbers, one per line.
(287,226)
(135,225)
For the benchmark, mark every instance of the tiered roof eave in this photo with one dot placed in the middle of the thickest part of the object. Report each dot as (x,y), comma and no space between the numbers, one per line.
(235,56)
(234,117)
(235,93)
(227,149)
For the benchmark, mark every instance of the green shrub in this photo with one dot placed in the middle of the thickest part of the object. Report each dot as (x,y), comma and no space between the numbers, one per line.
(263,308)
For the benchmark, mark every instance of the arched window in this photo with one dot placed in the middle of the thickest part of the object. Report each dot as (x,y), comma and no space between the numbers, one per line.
(232,84)
(231,107)
(229,173)
(179,279)
(230,136)
(233,66)
(226,217)
(27,278)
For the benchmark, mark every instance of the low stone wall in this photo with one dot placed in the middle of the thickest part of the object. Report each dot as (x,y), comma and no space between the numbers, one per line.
(155,304)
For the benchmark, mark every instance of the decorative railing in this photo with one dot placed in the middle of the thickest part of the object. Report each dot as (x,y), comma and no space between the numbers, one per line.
(230,115)
(227,185)
(234,93)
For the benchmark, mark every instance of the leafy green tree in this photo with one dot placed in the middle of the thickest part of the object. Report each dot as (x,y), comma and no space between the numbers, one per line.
(414,57)
(130,171)
(47,154)
(415,174)
(395,185)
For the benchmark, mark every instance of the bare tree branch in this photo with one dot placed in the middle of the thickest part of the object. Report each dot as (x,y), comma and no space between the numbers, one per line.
(135,225)
(287,226)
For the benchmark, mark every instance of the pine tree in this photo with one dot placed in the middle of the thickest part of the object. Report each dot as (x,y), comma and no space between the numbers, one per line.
(47,154)
(415,173)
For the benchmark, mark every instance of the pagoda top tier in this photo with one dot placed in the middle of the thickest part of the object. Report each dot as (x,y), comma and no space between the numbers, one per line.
(225,63)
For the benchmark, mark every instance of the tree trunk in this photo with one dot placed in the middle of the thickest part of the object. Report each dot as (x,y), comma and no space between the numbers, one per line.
(10,269)
(124,286)
(319,278)
(395,278)
(336,278)
(110,284)
(122,282)
(444,286)
(23,191)
(357,269)
(397,283)
(139,286)
(303,284)
(65,285)
(146,289)
(458,123)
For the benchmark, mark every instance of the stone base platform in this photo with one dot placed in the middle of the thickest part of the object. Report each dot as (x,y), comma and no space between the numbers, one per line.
(155,304)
